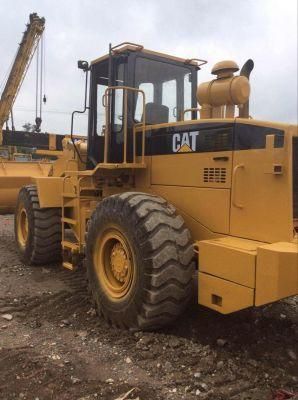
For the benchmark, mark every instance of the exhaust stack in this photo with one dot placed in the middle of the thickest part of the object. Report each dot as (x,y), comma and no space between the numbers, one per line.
(246,71)
(219,97)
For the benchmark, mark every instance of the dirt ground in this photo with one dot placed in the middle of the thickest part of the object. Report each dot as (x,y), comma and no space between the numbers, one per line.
(56,347)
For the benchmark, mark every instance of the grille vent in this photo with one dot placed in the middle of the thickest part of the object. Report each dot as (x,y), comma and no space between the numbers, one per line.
(215,175)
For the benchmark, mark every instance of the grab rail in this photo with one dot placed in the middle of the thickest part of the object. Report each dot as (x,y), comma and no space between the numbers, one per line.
(107,133)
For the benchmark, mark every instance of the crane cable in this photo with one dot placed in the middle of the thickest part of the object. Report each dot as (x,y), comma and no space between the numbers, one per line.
(40,82)
(36,90)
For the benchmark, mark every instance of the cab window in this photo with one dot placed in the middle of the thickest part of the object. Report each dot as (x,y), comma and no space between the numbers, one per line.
(166,90)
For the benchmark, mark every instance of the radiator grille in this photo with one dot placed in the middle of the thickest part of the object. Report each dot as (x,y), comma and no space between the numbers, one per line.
(215,175)
(295,177)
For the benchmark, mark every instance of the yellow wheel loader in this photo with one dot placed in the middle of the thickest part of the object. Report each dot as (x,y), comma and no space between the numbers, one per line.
(162,188)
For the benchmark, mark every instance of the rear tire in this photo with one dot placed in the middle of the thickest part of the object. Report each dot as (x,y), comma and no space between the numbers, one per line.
(37,230)
(140,261)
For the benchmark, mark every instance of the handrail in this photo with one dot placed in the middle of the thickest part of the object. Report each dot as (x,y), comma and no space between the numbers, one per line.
(118,46)
(189,110)
(106,103)
(3,166)
(234,192)
(198,61)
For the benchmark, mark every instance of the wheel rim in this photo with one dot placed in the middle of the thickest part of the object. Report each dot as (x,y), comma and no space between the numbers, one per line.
(114,263)
(23,227)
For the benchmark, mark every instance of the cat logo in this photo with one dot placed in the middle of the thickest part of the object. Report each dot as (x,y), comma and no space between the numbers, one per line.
(184,142)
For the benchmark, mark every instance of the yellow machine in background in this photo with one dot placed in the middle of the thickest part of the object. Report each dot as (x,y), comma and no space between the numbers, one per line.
(156,192)
(13,176)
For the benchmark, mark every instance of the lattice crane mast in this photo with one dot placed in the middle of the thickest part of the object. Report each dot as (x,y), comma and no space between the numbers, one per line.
(24,55)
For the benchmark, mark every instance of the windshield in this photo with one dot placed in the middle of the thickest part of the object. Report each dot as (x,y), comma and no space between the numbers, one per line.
(167,89)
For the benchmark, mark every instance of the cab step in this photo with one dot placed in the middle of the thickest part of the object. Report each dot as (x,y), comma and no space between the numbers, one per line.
(68,265)
(69,195)
(70,221)
(70,245)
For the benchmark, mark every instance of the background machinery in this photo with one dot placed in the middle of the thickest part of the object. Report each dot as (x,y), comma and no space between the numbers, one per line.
(21,63)
(17,170)
(162,188)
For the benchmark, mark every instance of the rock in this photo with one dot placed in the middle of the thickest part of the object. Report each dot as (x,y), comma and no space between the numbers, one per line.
(219,365)
(82,334)
(128,360)
(292,354)
(7,317)
(168,366)
(197,375)
(147,355)
(75,380)
(253,363)
(146,340)
(221,342)
(283,316)
(92,312)
(198,392)
(204,386)
(110,381)
(35,324)
(174,342)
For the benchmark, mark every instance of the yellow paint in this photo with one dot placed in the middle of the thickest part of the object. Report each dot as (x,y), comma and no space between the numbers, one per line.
(277,272)
(14,175)
(206,206)
(237,264)
(49,191)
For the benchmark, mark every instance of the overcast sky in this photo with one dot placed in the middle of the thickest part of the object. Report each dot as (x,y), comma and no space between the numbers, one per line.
(264,30)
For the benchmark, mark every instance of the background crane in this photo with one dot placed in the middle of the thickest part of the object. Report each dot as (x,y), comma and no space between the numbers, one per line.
(24,55)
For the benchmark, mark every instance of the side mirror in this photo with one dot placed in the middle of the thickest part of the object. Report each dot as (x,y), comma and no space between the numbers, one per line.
(83,65)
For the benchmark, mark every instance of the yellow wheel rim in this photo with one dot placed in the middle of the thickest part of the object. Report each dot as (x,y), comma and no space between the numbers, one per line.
(114,263)
(23,227)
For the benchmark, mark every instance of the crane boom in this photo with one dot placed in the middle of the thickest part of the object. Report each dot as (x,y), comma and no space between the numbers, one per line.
(20,66)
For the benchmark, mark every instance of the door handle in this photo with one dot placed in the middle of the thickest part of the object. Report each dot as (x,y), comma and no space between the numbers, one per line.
(234,186)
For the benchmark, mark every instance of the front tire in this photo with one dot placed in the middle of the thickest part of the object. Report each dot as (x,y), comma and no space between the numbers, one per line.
(140,261)
(37,230)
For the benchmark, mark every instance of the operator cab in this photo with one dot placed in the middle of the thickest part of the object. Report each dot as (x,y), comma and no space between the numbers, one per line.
(165,87)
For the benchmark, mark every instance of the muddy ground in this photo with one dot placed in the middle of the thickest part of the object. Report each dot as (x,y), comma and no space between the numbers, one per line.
(56,347)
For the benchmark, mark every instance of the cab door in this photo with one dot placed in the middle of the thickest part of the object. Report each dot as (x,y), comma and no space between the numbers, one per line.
(260,202)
